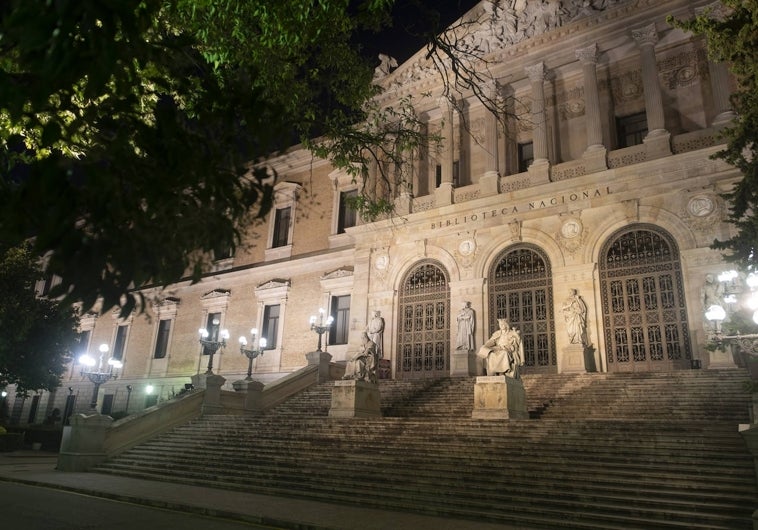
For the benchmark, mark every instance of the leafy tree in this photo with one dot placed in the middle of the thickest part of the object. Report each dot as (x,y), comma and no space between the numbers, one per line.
(127,128)
(731,33)
(38,334)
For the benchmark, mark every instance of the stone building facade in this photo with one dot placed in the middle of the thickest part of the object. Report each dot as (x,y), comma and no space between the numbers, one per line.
(596,178)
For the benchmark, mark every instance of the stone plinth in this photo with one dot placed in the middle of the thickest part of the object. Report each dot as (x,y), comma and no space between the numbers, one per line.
(212,401)
(83,442)
(499,397)
(355,399)
(577,358)
(461,363)
(721,359)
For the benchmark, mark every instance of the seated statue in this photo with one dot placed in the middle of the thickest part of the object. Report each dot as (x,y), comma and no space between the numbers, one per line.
(503,352)
(362,365)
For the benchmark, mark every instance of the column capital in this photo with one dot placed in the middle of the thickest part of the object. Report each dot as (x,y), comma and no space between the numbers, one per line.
(588,55)
(646,35)
(536,72)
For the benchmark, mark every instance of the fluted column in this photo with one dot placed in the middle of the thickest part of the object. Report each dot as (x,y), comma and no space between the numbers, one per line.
(719,74)
(444,192)
(594,155)
(539,170)
(488,184)
(658,138)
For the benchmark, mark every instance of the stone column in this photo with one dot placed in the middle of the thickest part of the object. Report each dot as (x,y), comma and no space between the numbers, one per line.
(719,74)
(540,168)
(594,155)
(443,195)
(658,138)
(488,184)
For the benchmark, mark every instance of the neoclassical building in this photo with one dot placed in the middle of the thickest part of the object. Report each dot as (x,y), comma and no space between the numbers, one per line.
(595,177)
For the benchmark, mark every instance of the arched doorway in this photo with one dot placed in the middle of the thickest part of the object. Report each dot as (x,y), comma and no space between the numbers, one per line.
(521,290)
(644,311)
(424,326)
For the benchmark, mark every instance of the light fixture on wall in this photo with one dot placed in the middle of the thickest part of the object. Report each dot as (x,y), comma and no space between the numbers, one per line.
(99,375)
(252,353)
(320,326)
(212,346)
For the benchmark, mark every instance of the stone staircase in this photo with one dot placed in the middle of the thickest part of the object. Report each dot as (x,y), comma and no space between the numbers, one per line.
(610,451)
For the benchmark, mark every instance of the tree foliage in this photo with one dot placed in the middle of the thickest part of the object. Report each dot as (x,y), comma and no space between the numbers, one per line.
(38,334)
(731,33)
(127,129)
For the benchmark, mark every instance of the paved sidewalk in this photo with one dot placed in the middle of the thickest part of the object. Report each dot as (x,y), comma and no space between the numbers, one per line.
(38,468)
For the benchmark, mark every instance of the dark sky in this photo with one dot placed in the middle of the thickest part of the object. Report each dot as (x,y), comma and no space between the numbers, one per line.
(412,19)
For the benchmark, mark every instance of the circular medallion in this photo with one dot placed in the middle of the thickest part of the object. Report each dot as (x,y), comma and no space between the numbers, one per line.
(700,206)
(381,262)
(571,228)
(466,247)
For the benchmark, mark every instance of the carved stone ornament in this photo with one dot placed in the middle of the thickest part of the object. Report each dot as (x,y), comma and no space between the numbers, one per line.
(571,235)
(702,211)
(467,247)
(466,251)
(381,262)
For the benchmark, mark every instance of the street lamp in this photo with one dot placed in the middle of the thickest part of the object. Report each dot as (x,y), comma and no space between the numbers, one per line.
(320,326)
(212,346)
(253,353)
(98,376)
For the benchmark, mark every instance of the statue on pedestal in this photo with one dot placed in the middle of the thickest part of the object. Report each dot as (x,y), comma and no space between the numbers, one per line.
(503,352)
(362,365)
(466,322)
(375,332)
(575,315)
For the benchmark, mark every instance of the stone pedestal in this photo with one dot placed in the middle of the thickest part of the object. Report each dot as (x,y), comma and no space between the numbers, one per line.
(595,159)
(657,144)
(720,359)
(499,398)
(539,172)
(212,401)
(322,359)
(577,358)
(488,183)
(355,399)
(254,395)
(83,442)
(460,363)
(198,380)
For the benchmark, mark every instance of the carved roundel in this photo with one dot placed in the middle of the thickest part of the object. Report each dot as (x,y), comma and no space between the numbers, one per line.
(381,262)
(466,247)
(701,206)
(571,228)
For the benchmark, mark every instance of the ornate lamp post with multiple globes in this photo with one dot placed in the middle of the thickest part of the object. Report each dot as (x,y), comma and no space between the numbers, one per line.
(717,314)
(252,353)
(321,326)
(98,376)
(212,346)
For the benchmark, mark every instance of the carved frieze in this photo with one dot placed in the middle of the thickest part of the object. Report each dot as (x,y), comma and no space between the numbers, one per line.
(702,211)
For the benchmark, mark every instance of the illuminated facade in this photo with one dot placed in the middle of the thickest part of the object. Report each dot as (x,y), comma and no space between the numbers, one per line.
(595,177)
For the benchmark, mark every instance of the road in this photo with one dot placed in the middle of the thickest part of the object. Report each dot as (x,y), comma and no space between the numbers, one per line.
(33,507)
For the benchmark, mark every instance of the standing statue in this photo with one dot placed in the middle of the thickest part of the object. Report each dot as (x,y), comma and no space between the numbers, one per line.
(386,64)
(575,315)
(503,352)
(466,323)
(375,332)
(362,365)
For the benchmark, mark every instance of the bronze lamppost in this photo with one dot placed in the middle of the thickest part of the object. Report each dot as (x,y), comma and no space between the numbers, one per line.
(320,325)
(100,375)
(253,353)
(212,346)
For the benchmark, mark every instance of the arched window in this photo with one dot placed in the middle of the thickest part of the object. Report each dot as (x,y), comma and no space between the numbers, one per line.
(521,291)
(644,311)
(424,323)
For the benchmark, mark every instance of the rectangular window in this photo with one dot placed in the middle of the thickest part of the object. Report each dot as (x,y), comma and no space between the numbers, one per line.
(118,346)
(437,175)
(347,215)
(83,339)
(631,130)
(212,325)
(281,227)
(456,173)
(340,310)
(270,326)
(525,156)
(161,341)
(33,409)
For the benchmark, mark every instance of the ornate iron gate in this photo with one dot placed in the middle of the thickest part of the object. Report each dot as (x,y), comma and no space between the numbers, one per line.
(521,291)
(424,326)
(644,311)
